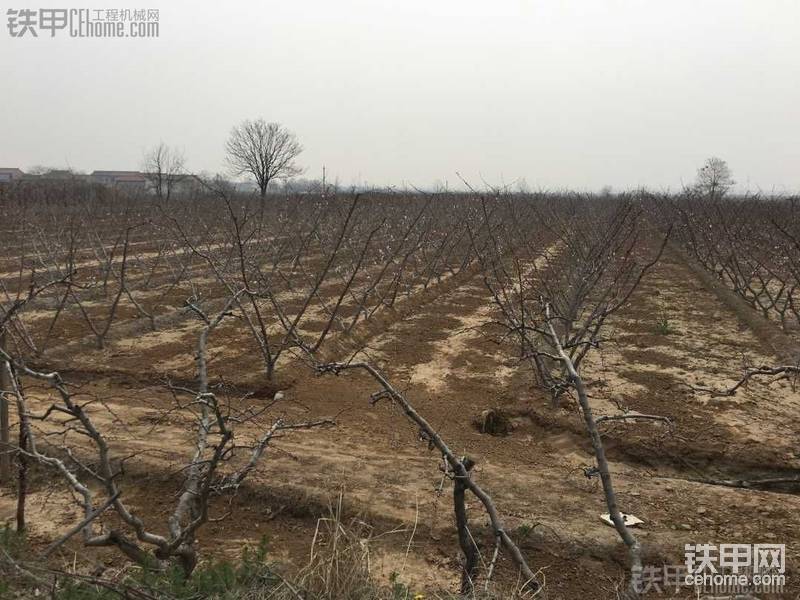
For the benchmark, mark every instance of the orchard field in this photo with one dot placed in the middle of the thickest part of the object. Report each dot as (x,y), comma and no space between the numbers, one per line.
(423,393)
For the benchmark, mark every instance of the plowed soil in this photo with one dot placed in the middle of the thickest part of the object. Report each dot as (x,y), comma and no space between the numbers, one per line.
(452,366)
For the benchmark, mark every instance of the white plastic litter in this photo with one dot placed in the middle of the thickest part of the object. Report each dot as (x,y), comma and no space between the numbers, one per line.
(630,520)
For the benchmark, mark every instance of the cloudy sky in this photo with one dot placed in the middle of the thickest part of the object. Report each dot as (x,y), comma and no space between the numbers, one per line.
(558,93)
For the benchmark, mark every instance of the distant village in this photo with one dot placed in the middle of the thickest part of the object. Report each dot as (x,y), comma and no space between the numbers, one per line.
(181,184)
(130,180)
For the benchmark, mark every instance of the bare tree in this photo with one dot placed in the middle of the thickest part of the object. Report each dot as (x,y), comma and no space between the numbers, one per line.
(267,151)
(164,168)
(459,470)
(215,445)
(8,318)
(714,178)
(617,518)
(5,428)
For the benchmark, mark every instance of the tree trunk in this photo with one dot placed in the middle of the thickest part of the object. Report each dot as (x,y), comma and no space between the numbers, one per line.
(468,546)
(270,369)
(263,200)
(634,548)
(5,436)
(22,477)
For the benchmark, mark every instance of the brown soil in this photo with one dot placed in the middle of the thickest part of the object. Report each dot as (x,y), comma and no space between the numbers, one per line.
(452,369)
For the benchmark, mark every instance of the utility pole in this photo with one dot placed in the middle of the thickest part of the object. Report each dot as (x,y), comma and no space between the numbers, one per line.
(323,181)
(5,437)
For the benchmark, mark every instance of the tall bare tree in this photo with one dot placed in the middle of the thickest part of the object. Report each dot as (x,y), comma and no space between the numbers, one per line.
(164,168)
(714,178)
(267,151)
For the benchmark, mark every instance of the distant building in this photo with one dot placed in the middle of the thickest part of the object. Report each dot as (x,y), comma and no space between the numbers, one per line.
(188,185)
(57,175)
(126,179)
(185,184)
(10,175)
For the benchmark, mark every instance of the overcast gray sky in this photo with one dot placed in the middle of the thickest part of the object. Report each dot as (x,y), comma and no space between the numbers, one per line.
(580,93)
